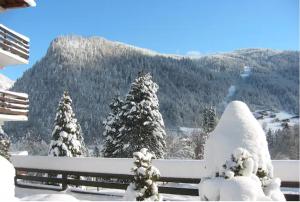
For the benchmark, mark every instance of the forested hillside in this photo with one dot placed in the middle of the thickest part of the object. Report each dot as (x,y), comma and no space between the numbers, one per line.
(94,70)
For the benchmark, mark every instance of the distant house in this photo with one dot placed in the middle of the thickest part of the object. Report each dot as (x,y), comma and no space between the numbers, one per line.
(14,50)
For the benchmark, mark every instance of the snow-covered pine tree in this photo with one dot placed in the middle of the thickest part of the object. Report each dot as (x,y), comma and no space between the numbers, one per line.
(4,144)
(209,122)
(143,125)
(209,119)
(112,137)
(144,185)
(67,139)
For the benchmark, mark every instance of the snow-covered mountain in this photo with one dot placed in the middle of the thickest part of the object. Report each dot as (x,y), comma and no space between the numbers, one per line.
(94,70)
(5,83)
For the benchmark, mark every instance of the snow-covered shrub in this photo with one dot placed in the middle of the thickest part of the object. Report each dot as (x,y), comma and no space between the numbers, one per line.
(209,119)
(4,144)
(67,137)
(144,187)
(238,163)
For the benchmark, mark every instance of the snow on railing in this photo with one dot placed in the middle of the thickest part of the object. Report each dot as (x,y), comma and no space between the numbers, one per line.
(286,170)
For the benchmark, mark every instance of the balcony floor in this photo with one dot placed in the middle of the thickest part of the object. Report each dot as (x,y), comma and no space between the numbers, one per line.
(8,59)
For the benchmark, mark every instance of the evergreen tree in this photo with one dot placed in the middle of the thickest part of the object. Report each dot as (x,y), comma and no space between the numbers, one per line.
(112,137)
(4,144)
(199,138)
(143,126)
(67,139)
(209,119)
(96,152)
(183,148)
(144,185)
(270,139)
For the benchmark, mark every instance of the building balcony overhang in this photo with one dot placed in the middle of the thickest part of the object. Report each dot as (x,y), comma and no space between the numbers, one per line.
(13,106)
(14,47)
(10,4)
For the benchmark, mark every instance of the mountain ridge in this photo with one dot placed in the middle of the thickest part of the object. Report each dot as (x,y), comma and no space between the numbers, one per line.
(95,69)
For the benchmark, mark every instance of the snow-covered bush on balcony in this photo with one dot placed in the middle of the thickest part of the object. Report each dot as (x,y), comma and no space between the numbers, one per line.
(240,164)
(144,187)
(237,160)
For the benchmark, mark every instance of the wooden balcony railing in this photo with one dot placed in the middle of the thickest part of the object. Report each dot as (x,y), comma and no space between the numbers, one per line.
(36,171)
(14,43)
(12,103)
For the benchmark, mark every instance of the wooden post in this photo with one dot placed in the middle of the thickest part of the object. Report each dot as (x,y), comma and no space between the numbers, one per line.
(64,182)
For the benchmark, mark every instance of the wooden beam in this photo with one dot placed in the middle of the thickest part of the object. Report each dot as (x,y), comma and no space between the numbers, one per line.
(13,106)
(15,101)
(10,111)
(13,95)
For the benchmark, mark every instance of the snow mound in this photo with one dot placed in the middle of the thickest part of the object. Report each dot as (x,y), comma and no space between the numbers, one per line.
(237,128)
(236,189)
(237,160)
(7,184)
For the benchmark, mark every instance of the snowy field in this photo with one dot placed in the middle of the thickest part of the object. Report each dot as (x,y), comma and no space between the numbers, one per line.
(90,195)
(273,121)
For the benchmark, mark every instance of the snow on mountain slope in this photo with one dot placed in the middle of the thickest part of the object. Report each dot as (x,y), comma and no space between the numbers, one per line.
(274,120)
(5,83)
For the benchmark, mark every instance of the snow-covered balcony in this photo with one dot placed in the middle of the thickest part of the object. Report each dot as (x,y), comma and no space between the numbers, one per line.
(14,47)
(13,106)
(10,4)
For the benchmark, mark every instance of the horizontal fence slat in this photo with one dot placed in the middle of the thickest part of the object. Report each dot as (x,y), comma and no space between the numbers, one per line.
(85,174)
(292,197)
(40,179)
(179,180)
(178,191)
(111,185)
(290,184)
(32,186)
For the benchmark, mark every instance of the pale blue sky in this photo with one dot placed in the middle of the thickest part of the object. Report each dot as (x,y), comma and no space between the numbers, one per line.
(166,26)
